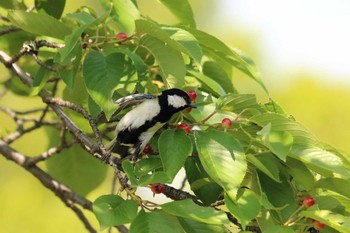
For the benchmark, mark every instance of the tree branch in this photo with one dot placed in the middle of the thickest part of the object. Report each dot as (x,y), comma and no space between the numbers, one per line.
(60,190)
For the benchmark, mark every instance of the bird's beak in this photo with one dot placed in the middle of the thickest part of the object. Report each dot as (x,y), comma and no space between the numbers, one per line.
(193,106)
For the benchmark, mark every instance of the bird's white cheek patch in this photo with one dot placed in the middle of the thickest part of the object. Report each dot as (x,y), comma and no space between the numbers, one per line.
(176,101)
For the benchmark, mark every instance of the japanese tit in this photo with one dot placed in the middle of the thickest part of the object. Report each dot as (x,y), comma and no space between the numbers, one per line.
(138,126)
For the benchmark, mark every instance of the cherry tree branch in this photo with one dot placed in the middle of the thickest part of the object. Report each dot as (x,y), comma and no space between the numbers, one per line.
(69,197)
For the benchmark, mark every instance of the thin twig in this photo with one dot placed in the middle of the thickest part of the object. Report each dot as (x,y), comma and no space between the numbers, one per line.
(50,152)
(43,64)
(9,30)
(58,188)
(81,216)
(83,112)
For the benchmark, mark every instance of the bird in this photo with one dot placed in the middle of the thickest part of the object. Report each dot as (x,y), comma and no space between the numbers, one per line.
(137,126)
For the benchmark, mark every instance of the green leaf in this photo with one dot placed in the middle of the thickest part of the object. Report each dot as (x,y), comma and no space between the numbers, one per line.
(210,41)
(155,177)
(300,173)
(320,160)
(279,142)
(182,10)
(245,208)
(233,57)
(216,72)
(112,210)
(170,61)
(193,226)
(188,209)
(239,103)
(42,75)
(139,64)
(279,194)
(129,170)
(339,222)
(246,65)
(125,15)
(267,164)
(155,221)
(77,169)
(13,4)
(334,184)
(51,7)
(68,73)
(281,123)
(188,43)
(66,54)
(174,148)
(103,75)
(201,184)
(39,24)
(222,158)
(139,178)
(306,147)
(210,84)
(279,229)
(177,38)
(146,165)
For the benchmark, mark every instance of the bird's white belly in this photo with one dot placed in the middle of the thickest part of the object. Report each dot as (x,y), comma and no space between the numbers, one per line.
(146,136)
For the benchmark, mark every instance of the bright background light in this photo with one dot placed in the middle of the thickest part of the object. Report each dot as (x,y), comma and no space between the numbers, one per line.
(311,35)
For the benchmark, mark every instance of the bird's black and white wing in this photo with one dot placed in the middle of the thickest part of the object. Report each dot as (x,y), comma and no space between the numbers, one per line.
(130,100)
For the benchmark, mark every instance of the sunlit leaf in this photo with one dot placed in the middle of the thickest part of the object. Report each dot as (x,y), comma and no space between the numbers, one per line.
(245,208)
(334,184)
(216,72)
(112,210)
(170,61)
(211,84)
(186,40)
(177,38)
(182,10)
(193,226)
(125,15)
(339,222)
(66,54)
(188,209)
(222,158)
(103,75)
(155,221)
(173,157)
(243,104)
(279,142)
(39,24)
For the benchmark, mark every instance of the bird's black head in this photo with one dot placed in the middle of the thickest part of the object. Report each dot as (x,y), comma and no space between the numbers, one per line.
(174,100)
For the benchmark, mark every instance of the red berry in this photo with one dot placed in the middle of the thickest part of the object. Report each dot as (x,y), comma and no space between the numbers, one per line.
(192,94)
(188,110)
(157,188)
(226,123)
(121,36)
(308,201)
(147,149)
(319,225)
(184,126)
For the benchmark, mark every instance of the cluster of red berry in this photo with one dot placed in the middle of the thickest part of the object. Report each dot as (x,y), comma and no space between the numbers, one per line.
(308,202)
